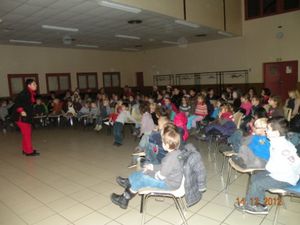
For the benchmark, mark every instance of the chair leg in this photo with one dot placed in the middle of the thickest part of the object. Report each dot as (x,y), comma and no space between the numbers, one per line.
(142,204)
(145,198)
(180,211)
(228,177)
(183,204)
(277,210)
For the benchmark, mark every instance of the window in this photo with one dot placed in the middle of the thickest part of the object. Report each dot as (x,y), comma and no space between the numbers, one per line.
(261,8)
(111,79)
(87,81)
(58,82)
(16,82)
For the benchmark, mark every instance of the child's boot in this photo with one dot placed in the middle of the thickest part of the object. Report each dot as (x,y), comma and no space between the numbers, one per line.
(123,199)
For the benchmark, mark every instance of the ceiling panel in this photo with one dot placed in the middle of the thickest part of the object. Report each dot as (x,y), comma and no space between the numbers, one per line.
(97,25)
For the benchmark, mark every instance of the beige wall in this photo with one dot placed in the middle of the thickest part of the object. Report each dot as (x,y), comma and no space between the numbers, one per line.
(258,45)
(206,12)
(17,59)
(172,8)
(234,16)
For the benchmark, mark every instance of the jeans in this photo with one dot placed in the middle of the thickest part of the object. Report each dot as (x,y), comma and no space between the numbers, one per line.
(140,180)
(236,140)
(117,131)
(259,184)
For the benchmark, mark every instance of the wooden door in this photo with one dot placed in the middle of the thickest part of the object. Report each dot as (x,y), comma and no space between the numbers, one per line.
(140,79)
(280,77)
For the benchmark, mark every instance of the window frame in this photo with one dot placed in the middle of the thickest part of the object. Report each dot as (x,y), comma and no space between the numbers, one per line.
(110,74)
(279,9)
(87,74)
(59,91)
(23,76)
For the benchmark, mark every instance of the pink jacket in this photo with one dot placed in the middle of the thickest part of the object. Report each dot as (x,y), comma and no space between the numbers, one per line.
(180,120)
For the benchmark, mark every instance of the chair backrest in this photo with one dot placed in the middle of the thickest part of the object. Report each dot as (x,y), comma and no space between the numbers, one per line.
(237,118)
(294,189)
(287,113)
(180,192)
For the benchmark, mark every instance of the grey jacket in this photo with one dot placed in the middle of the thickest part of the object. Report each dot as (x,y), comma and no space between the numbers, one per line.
(194,173)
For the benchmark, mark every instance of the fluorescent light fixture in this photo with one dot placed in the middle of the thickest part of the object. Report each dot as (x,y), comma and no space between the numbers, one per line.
(60,28)
(127,36)
(130,49)
(188,24)
(120,7)
(87,46)
(170,42)
(25,42)
(225,33)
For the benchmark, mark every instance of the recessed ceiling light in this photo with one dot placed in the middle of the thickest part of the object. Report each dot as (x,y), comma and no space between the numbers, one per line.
(134,21)
(130,49)
(0,20)
(87,46)
(25,42)
(60,28)
(200,35)
(225,33)
(127,36)
(188,24)
(120,7)
(170,42)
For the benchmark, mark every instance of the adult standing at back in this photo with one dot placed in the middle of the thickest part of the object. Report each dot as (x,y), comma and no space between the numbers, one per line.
(23,115)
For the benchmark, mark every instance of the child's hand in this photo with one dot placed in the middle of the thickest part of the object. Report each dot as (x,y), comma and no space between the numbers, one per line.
(148,167)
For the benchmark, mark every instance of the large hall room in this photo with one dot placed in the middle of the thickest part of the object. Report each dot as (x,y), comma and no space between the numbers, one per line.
(156,112)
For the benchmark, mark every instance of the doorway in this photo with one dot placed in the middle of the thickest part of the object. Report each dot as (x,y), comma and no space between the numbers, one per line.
(281,77)
(139,79)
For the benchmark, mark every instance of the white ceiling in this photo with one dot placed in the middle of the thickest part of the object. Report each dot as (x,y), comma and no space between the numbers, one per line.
(98,25)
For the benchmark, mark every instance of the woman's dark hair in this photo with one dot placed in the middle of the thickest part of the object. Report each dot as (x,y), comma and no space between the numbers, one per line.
(29,81)
(279,124)
(267,91)
(144,107)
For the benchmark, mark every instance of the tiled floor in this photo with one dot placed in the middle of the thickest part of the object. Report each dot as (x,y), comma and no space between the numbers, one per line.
(70,183)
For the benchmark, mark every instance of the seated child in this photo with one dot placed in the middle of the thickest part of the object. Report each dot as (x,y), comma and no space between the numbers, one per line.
(94,113)
(84,111)
(224,125)
(185,106)
(200,112)
(39,108)
(56,107)
(105,110)
(70,112)
(122,118)
(282,169)
(255,153)
(167,175)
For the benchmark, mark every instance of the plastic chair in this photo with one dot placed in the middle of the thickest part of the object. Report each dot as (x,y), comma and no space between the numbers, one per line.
(292,191)
(232,165)
(176,195)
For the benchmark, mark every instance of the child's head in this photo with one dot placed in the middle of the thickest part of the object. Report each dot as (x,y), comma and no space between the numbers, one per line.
(236,94)
(225,108)
(192,92)
(125,106)
(200,99)
(162,121)
(38,101)
(93,105)
(260,126)
(56,101)
(105,102)
(274,101)
(152,107)
(294,94)
(245,98)
(167,101)
(255,101)
(277,127)
(184,101)
(211,91)
(3,103)
(260,113)
(171,140)
(265,92)
(144,107)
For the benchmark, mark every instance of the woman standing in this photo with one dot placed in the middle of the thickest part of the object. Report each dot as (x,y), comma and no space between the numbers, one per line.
(23,115)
